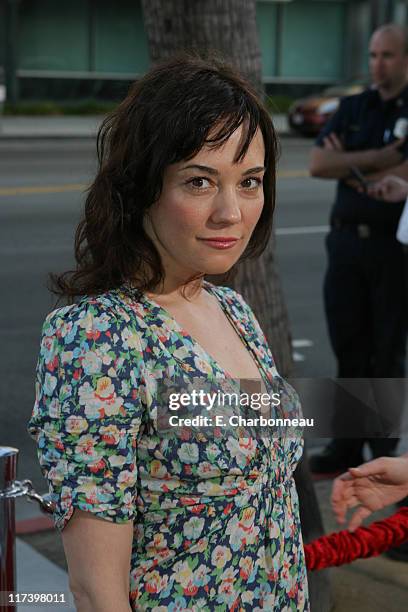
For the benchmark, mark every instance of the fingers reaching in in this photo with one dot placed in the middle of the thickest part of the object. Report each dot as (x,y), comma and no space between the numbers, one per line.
(376,467)
(358,517)
(343,497)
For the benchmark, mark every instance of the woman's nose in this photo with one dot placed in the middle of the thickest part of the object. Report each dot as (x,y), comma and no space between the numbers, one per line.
(226,207)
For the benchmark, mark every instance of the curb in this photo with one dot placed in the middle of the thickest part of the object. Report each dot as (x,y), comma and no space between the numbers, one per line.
(32,137)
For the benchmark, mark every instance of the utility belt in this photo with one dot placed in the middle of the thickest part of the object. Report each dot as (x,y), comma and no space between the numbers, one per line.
(363,230)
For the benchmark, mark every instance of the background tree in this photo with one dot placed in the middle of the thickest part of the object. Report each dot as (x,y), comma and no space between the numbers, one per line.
(229,27)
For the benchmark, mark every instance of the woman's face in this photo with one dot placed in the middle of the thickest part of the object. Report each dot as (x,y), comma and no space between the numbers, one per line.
(208,209)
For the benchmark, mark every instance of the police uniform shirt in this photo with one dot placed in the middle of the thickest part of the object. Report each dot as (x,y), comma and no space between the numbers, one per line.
(362,122)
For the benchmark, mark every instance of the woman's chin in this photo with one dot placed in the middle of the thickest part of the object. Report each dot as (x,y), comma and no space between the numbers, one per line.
(219,268)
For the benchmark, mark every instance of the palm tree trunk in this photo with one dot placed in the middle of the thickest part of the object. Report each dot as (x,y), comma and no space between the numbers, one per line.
(229,27)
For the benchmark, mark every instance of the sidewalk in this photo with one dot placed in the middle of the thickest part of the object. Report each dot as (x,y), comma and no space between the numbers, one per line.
(31,127)
(368,585)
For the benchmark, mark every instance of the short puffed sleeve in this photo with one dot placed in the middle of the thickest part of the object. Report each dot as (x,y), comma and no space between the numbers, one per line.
(88,411)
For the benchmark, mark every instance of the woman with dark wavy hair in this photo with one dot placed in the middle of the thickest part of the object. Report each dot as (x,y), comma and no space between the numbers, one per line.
(178,516)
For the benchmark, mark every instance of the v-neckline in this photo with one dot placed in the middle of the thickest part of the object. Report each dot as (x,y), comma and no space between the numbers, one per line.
(172,324)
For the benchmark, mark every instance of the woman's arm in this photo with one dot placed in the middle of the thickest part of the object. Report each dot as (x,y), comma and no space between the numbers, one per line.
(371,486)
(98,555)
(86,422)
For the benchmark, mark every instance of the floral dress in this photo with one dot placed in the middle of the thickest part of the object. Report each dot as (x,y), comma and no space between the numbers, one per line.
(216,520)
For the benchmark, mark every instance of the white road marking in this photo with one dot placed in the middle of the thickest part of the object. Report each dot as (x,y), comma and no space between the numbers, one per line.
(305,229)
(301,343)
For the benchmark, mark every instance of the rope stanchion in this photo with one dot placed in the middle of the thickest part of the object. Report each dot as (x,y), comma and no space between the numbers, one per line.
(344,547)
(10,489)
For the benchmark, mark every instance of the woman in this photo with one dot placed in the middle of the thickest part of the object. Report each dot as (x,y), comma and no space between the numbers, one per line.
(185,187)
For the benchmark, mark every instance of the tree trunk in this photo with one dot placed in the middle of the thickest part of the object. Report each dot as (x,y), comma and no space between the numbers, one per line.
(229,27)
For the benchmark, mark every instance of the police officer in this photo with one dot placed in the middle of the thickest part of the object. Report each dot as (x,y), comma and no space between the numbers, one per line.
(364,292)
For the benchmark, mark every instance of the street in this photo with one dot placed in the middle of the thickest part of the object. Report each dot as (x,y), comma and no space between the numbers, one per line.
(41,193)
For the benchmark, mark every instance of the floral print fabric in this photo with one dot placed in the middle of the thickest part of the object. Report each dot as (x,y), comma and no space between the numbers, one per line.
(216,521)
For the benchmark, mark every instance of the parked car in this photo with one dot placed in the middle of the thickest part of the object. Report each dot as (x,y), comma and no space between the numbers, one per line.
(308,115)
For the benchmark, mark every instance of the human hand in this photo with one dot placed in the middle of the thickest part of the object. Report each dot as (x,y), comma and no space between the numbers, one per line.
(354,184)
(371,486)
(390,188)
(388,156)
(332,142)
(359,182)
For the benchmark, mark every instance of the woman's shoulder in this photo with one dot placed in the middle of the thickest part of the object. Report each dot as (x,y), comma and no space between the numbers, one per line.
(101,325)
(85,306)
(103,311)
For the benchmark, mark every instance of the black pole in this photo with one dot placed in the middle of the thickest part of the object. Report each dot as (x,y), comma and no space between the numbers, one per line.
(382,11)
(11,50)
(389,10)
(375,14)
(8,473)
(91,35)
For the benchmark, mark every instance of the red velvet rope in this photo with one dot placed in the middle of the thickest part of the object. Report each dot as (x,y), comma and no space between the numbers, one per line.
(344,546)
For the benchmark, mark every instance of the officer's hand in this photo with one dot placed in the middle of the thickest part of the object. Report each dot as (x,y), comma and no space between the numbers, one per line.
(354,184)
(388,156)
(371,486)
(332,142)
(390,188)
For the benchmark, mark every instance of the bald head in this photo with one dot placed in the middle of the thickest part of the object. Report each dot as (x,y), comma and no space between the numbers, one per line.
(394,32)
(389,59)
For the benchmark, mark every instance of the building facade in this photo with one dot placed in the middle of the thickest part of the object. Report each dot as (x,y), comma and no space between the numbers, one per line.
(91,48)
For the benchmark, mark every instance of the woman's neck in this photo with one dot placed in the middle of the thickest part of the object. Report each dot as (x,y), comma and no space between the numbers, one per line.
(172,292)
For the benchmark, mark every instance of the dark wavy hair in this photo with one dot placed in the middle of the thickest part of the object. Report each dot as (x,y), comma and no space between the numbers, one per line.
(168,115)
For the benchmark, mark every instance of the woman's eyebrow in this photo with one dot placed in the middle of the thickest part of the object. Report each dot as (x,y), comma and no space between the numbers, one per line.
(213,171)
(254,170)
(202,168)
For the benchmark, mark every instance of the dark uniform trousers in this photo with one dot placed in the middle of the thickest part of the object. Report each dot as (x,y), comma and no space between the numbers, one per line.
(365,294)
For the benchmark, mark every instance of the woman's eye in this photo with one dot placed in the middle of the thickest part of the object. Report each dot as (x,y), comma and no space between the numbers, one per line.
(251,182)
(199,182)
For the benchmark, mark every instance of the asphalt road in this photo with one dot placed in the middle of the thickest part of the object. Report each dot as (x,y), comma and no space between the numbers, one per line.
(40,203)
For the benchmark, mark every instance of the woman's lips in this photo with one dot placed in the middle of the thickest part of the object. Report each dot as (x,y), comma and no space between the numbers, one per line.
(220,243)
